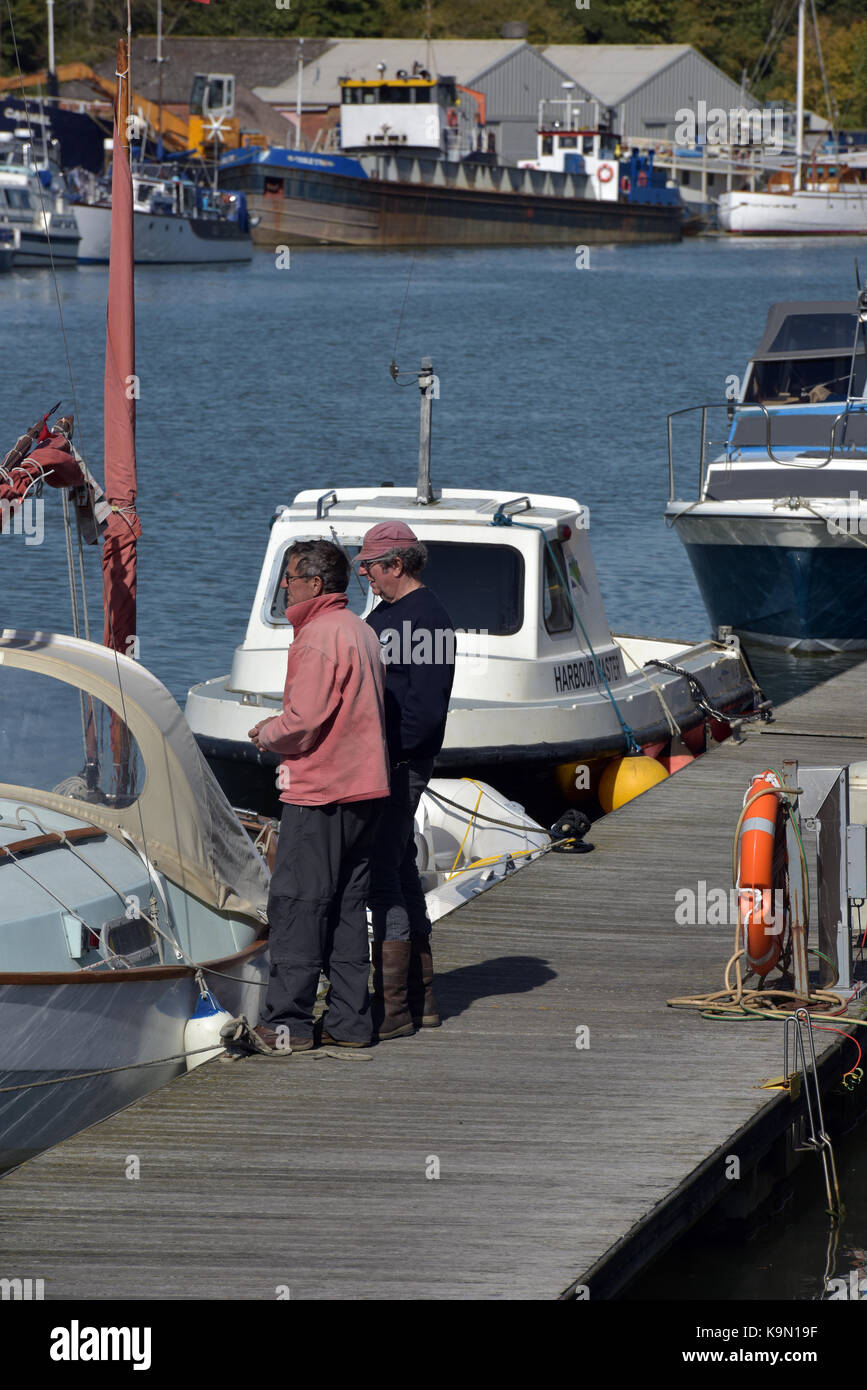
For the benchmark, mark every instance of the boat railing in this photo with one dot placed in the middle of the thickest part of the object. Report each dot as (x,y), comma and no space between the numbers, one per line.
(709,449)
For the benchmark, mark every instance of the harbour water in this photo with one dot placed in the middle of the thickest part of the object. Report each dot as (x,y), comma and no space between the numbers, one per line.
(256,381)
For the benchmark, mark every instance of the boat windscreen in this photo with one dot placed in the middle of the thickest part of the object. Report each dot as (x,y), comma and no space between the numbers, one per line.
(806,380)
(357,592)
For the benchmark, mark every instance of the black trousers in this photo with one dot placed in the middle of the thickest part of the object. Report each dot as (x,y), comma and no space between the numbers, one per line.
(396,898)
(318,919)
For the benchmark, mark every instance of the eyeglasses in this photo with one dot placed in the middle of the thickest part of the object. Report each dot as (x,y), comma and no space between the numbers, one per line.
(366,564)
(292,578)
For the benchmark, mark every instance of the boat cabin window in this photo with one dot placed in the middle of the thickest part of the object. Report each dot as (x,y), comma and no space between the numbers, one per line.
(547,144)
(568,142)
(356,593)
(481,587)
(55,738)
(556,604)
(805,379)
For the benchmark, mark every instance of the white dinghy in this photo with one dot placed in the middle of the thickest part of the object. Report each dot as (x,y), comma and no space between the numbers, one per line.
(128,889)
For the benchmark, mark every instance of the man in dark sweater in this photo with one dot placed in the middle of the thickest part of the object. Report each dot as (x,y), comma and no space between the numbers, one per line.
(418,650)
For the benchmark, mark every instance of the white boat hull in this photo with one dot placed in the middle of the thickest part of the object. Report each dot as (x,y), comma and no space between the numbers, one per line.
(806,213)
(162,239)
(93,1025)
(532,734)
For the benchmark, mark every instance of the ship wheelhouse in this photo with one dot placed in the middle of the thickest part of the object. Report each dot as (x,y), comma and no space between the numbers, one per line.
(413,114)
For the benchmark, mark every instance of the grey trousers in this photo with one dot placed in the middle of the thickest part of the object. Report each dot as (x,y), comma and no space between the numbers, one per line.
(396,898)
(318,919)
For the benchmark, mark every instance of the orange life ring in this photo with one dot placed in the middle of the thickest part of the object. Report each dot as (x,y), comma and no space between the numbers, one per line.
(761,933)
(625,184)
(605,173)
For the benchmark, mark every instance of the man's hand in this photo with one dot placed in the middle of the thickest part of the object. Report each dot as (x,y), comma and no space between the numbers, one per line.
(254,733)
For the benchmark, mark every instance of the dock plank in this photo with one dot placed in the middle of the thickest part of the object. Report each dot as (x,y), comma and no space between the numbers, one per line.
(309,1173)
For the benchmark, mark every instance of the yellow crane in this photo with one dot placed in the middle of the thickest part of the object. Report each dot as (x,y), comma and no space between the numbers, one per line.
(211,126)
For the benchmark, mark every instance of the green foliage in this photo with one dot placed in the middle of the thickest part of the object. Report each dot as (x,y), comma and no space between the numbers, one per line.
(732,34)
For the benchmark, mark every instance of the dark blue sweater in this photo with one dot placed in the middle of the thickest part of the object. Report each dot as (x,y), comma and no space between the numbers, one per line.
(418,647)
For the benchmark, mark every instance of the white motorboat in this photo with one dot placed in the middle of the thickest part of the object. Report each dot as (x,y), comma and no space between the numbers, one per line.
(176,221)
(34,204)
(543,695)
(128,887)
(776,533)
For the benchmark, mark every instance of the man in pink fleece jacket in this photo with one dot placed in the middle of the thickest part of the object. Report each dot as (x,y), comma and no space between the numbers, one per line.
(334,780)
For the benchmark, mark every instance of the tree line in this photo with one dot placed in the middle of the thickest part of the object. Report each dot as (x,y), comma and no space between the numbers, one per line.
(751,40)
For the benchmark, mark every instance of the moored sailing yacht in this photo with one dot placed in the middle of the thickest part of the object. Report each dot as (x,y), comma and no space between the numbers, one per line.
(133,901)
(827,196)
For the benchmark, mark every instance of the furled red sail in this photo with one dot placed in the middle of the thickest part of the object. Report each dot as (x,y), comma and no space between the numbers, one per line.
(124,529)
(51,461)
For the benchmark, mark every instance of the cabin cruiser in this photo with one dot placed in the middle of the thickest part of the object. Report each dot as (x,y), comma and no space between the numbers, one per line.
(177,220)
(34,203)
(777,536)
(541,685)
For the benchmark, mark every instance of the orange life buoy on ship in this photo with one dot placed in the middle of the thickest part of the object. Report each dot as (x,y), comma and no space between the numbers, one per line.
(625,184)
(605,173)
(761,933)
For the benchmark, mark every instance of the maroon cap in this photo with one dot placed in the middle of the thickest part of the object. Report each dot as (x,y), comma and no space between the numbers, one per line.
(386,536)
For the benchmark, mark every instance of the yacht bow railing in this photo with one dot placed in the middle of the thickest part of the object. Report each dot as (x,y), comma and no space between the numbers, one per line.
(732,408)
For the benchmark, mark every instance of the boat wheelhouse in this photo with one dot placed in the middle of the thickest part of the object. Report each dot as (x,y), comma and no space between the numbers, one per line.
(574,137)
(541,685)
(776,536)
(412,113)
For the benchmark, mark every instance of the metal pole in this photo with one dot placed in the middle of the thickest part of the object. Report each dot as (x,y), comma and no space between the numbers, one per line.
(799,99)
(298,100)
(51,64)
(159,79)
(424,492)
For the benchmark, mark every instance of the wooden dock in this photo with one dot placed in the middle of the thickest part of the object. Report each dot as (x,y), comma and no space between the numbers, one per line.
(496,1157)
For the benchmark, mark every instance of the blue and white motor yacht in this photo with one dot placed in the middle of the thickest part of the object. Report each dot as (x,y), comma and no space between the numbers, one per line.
(777,536)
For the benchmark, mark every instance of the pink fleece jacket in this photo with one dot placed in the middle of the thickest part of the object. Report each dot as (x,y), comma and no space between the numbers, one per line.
(332,729)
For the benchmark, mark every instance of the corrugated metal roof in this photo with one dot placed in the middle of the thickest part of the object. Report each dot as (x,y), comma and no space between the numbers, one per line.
(459,58)
(612,70)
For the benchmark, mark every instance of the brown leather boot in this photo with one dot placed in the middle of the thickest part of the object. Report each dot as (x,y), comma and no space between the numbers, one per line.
(391,1016)
(422,1004)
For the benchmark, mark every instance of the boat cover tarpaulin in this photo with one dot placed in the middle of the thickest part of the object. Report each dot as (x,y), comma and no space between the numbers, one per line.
(181,820)
(124,528)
